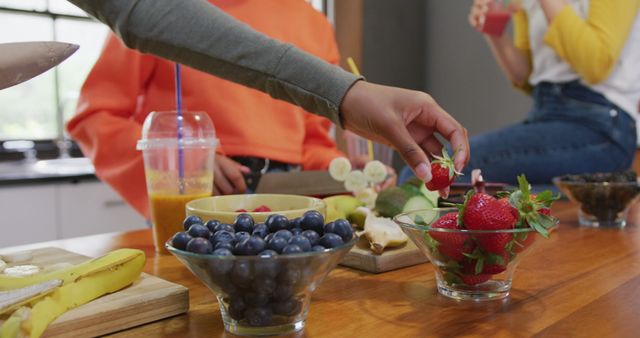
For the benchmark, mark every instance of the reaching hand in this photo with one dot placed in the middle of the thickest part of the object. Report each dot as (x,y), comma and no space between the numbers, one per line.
(228,176)
(405,119)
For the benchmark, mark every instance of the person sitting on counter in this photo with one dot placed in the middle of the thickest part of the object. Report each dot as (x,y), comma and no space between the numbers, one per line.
(257,133)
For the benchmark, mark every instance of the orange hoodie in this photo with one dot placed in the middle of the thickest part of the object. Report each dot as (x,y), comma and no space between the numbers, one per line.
(124,86)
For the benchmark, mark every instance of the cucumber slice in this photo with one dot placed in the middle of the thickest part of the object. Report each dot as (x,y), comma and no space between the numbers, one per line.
(425,217)
(417,203)
(432,196)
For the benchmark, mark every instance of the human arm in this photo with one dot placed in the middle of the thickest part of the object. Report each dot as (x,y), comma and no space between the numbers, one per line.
(513,56)
(198,34)
(592,45)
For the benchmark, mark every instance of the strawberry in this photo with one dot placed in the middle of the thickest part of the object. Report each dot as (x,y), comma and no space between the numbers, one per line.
(475,279)
(505,201)
(443,172)
(494,243)
(457,253)
(496,264)
(262,208)
(448,221)
(482,262)
(452,245)
(485,212)
(534,210)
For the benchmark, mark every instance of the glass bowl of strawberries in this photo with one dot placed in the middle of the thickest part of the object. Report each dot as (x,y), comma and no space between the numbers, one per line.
(475,247)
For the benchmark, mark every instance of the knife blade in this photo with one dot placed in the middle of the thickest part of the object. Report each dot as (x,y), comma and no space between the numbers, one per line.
(308,182)
(21,61)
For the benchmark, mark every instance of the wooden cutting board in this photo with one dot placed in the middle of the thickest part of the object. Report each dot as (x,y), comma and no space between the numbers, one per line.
(147,299)
(362,258)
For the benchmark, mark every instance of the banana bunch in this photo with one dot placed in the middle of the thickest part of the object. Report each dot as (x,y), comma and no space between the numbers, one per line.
(37,300)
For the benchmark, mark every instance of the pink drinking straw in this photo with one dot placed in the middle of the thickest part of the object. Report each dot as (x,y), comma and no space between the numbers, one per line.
(179,125)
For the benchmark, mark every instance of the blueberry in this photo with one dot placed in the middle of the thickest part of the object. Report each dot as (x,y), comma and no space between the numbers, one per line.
(291,249)
(312,220)
(287,307)
(237,307)
(261,230)
(329,227)
(295,223)
(244,222)
(267,253)
(276,222)
(199,230)
(250,246)
(242,235)
(256,298)
(267,267)
(331,240)
(283,291)
(277,244)
(296,231)
(264,285)
(343,229)
(241,274)
(219,267)
(223,236)
(180,240)
(199,245)
(258,316)
(289,276)
(223,226)
(301,241)
(317,248)
(222,252)
(286,234)
(191,220)
(212,224)
(312,236)
(268,237)
(223,245)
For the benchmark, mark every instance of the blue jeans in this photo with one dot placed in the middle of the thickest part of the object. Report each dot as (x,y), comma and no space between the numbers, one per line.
(571,129)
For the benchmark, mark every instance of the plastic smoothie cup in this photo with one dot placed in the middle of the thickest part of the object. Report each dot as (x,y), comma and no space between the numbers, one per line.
(177,169)
(496,19)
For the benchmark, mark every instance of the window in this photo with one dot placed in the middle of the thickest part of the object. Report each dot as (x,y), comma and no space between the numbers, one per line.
(37,109)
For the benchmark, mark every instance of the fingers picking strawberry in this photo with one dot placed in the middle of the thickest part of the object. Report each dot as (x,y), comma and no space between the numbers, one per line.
(443,172)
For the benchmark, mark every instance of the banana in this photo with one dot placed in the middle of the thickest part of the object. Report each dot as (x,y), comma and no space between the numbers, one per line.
(74,272)
(81,284)
(21,270)
(3,265)
(375,172)
(339,168)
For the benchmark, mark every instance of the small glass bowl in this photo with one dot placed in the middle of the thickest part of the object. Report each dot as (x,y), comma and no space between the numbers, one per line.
(263,296)
(457,275)
(602,204)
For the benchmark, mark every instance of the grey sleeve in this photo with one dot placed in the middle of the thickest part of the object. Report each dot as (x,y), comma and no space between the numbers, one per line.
(198,34)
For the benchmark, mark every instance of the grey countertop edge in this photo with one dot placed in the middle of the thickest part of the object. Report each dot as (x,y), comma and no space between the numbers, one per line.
(33,179)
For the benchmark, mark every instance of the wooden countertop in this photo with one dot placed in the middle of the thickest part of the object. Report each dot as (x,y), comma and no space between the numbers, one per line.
(582,282)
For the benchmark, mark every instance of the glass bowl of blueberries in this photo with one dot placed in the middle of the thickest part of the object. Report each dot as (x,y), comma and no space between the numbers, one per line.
(263,274)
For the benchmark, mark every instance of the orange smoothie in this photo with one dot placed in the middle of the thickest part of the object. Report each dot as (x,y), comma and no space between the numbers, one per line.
(167,214)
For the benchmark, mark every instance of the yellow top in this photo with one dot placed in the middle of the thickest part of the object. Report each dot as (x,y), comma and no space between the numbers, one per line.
(590,46)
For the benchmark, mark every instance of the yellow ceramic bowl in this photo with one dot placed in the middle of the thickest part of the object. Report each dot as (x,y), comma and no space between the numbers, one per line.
(223,208)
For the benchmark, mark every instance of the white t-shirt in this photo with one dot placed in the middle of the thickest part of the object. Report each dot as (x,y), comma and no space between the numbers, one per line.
(622,87)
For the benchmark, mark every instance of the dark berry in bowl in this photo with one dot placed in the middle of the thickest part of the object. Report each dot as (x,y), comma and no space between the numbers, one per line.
(199,230)
(191,220)
(243,222)
(312,220)
(199,245)
(261,230)
(276,222)
(331,240)
(301,241)
(180,240)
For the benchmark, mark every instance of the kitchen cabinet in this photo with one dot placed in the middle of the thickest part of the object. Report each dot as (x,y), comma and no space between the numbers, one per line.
(27,214)
(64,209)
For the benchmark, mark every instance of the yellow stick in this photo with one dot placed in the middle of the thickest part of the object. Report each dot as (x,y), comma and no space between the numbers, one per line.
(354,70)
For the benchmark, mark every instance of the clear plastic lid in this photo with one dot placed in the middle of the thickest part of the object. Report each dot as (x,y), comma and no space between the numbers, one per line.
(162,129)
